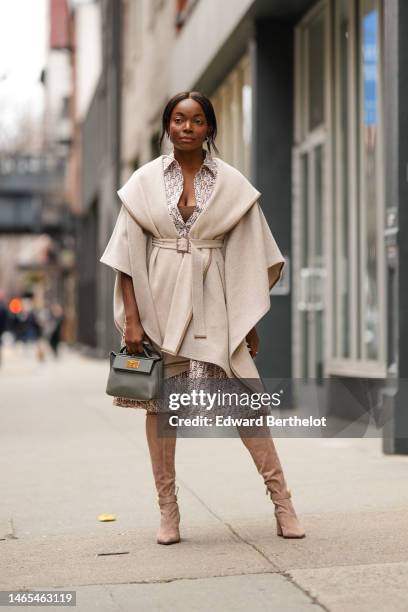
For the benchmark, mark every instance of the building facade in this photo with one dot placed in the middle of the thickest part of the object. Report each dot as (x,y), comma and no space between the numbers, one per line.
(309,98)
(314,121)
(94,161)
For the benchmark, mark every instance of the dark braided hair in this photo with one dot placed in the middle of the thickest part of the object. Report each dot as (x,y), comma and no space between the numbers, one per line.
(207,107)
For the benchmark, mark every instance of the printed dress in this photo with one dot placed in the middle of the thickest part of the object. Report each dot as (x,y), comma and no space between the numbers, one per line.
(183,218)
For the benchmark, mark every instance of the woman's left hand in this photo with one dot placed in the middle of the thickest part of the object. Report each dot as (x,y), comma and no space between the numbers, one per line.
(252,339)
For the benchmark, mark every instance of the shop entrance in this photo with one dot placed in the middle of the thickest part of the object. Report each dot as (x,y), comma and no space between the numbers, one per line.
(311,188)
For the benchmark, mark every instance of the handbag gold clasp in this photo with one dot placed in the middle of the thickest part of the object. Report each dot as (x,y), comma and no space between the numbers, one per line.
(133,363)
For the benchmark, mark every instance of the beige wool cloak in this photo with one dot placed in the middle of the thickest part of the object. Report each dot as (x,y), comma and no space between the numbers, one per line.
(198,303)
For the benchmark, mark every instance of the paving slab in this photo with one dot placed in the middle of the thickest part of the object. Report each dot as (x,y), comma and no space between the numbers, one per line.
(211,550)
(333,540)
(357,588)
(256,592)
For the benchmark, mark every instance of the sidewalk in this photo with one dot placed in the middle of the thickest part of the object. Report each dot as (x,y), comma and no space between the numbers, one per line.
(69,455)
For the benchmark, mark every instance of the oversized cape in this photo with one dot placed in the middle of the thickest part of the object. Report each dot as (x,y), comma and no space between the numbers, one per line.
(235,279)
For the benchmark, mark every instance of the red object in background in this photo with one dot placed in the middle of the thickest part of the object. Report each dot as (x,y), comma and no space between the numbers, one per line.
(183,8)
(59,24)
(15,305)
(180,5)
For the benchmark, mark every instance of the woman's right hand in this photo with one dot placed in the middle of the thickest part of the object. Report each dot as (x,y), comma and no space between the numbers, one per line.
(134,336)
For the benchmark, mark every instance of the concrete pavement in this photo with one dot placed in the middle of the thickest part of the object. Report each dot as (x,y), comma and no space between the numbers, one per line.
(68,454)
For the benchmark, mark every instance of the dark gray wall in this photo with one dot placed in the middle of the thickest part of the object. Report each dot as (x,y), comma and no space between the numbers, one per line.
(87,297)
(395,394)
(397,26)
(273,137)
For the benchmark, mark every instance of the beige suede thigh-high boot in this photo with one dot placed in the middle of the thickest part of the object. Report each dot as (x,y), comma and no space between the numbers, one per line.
(162,454)
(266,459)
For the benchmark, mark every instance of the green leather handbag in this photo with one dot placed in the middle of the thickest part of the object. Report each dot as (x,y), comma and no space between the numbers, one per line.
(137,376)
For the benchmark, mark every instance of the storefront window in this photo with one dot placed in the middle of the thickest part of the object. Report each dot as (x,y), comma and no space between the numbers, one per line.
(369,54)
(310,192)
(233,106)
(304,278)
(358,186)
(345,200)
(247,121)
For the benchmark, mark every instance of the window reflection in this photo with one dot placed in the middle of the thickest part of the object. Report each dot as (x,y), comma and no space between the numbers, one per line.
(233,107)
(369,50)
(343,284)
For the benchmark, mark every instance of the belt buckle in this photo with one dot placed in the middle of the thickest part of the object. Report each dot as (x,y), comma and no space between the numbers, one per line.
(186,245)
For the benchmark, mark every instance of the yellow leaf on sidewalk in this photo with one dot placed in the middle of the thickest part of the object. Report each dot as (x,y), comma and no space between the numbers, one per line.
(106,517)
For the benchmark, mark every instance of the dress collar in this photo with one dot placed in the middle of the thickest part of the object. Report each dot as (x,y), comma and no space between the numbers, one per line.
(209,162)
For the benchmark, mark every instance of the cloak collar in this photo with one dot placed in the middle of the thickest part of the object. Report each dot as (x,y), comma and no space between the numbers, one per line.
(144,196)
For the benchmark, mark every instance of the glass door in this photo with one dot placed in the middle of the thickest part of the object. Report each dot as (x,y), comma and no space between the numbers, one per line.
(357,277)
(311,302)
(311,180)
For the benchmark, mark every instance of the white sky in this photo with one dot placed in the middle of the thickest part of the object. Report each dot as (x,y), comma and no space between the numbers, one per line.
(23,38)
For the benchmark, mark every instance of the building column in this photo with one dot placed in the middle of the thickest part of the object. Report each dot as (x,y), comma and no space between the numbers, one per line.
(272,70)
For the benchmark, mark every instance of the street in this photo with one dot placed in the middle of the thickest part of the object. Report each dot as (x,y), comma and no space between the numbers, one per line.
(68,455)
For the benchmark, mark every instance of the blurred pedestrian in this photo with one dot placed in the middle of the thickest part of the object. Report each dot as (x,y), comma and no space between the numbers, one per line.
(28,328)
(54,337)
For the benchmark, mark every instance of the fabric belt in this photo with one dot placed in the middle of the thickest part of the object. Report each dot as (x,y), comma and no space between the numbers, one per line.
(191,246)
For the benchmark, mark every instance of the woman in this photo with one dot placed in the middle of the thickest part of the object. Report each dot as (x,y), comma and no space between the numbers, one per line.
(195,261)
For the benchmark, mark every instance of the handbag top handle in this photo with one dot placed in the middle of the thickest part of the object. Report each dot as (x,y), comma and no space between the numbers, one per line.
(148,351)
